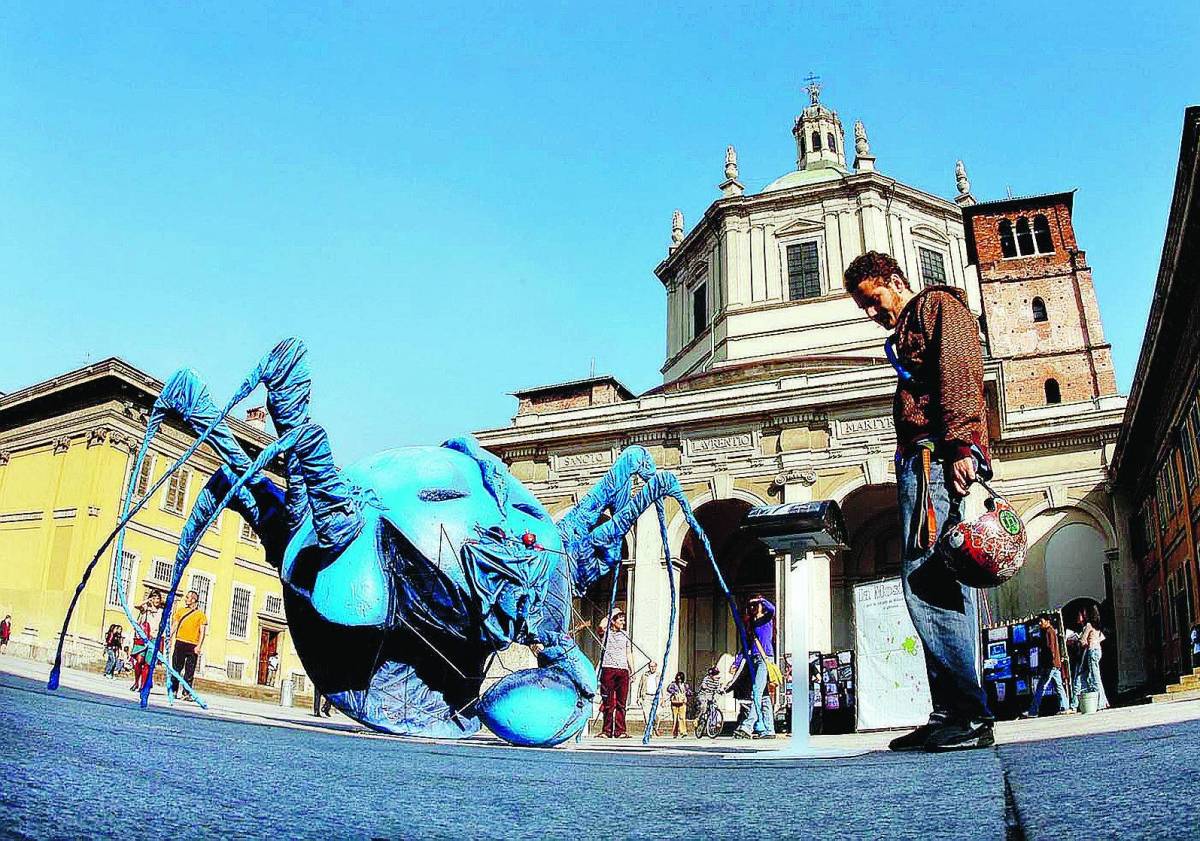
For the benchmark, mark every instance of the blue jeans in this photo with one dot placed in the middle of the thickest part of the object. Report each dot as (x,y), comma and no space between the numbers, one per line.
(943,611)
(761,717)
(1087,679)
(110,662)
(1044,682)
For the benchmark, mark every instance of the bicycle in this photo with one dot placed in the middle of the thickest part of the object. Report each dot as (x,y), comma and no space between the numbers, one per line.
(709,719)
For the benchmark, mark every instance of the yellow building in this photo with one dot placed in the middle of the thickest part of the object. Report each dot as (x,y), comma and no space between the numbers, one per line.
(66,448)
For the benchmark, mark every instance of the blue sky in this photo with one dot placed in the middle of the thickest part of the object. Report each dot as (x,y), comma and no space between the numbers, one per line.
(448,204)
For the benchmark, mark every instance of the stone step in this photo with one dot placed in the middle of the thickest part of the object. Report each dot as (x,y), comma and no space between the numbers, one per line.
(1186,684)
(1170,697)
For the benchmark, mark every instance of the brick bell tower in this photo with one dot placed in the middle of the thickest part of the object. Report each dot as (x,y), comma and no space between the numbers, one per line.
(1040,313)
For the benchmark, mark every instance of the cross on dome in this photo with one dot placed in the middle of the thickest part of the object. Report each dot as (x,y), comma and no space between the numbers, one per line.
(813,86)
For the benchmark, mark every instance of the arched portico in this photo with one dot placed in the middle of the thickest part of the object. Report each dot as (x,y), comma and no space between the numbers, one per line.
(706,627)
(873,532)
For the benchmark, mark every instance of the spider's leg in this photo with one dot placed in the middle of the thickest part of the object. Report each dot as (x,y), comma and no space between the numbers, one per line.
(314,484)
(204,512)
(595,555)
(661,486)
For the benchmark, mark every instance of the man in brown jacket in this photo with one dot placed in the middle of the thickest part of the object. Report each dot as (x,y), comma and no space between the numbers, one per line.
(941,436)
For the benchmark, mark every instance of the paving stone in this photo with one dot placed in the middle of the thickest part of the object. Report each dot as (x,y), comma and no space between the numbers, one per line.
(79,765)
(1127,784)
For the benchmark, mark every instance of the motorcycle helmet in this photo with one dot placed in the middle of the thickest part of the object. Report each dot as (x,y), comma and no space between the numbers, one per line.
(989,550)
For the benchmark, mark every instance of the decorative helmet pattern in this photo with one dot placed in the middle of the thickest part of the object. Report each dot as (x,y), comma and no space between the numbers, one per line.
(989,550)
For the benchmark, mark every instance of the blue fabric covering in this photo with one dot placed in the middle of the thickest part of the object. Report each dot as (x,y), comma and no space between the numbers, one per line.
(543,706)
(404,572)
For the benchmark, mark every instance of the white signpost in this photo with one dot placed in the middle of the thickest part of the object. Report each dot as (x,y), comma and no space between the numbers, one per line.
(795,529)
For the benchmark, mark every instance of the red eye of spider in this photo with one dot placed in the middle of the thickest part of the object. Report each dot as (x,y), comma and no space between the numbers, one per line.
(529,539)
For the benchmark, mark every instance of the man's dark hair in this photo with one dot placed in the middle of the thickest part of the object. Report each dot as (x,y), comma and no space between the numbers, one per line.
(872,264)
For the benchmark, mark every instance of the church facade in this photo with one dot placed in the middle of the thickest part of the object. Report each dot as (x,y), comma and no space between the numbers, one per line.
(776,389)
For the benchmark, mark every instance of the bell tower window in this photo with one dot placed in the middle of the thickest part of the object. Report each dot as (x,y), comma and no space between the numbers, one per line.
(816,141)
(832,143)
(1041,235)
(1039,310)
(1053,393)
(1024,237)
(1008,244)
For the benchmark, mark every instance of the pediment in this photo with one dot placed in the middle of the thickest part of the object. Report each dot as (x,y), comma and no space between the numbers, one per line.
(930,232)
(800,225)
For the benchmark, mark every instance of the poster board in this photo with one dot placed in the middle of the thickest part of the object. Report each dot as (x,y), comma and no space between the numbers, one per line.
(893,687)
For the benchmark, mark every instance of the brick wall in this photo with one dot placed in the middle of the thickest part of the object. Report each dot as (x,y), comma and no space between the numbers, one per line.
(1069,345)
(986,232)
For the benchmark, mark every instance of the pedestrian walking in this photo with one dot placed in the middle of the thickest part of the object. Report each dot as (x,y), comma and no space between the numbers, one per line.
(113,640)
(1195,638)
(679,692)
(614,675)
(5,632)
(189,633)
(1050,669)
(759,619)
(942,438)
(647,686)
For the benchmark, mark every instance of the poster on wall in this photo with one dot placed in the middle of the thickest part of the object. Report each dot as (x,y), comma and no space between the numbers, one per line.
(893,689)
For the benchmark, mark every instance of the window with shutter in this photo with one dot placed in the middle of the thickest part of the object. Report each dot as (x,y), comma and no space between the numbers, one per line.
(804,271)
(239,612)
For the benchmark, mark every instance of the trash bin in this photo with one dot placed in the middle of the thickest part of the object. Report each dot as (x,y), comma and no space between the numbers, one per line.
(285,694)
(1088,701)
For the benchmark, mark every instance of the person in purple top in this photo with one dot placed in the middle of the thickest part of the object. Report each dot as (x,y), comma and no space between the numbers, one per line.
(760,621)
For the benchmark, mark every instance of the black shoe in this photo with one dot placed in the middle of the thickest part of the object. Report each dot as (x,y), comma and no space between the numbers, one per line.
(961,736)
(740,734)
(916,739)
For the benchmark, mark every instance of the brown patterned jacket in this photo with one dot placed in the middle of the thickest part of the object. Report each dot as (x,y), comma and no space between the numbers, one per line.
(937,341)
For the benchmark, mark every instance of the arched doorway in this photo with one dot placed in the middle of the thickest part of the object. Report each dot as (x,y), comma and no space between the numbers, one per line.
(706,628)
(873,530)
(1075,564)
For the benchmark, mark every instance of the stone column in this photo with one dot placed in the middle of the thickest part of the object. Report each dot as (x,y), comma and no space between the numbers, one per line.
(651,595)
(1127,600)
(874,225)
(741,273)
(817,616)
(833,249)
(773,271)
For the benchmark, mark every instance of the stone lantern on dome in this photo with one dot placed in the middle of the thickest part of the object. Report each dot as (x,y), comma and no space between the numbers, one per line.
(820,140)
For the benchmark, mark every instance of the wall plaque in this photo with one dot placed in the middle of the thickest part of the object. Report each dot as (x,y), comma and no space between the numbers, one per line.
(865,427)
(574,461)
(721,443)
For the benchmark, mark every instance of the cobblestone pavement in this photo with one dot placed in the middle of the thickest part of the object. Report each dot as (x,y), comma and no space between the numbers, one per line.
(81,764)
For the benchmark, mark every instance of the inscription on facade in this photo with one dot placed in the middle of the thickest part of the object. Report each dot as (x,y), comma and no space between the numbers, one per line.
(864,427)
(721,443)
(573,461)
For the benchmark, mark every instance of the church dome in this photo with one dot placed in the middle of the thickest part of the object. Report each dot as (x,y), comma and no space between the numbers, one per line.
(803,177)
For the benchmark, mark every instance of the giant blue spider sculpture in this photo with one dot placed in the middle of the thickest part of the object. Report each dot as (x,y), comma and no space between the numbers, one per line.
(403,574)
